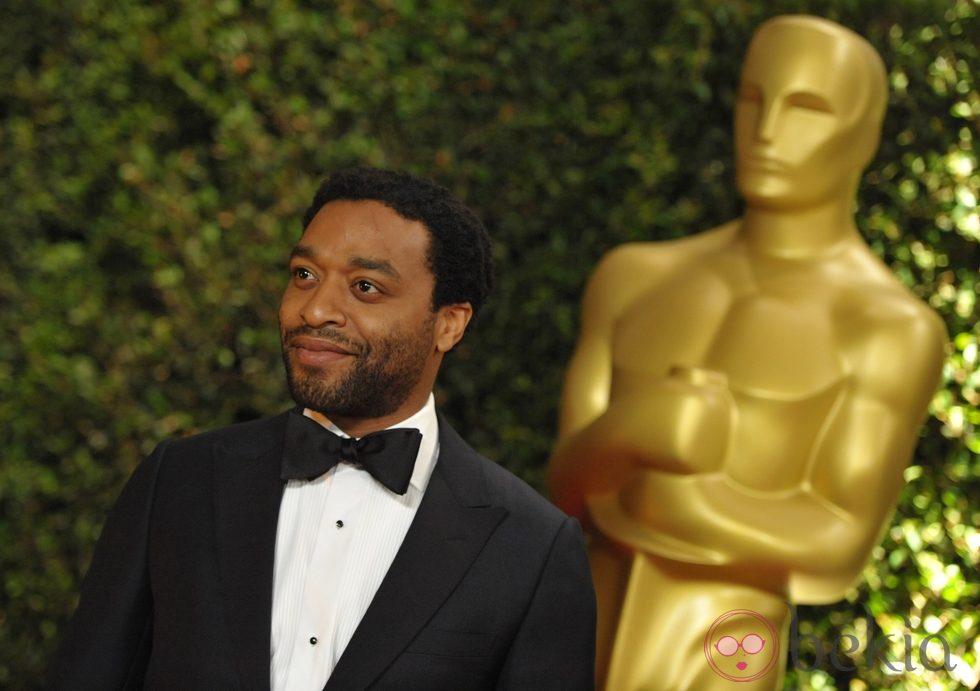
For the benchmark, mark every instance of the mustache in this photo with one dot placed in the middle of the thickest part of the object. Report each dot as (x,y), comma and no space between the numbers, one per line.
(327,333)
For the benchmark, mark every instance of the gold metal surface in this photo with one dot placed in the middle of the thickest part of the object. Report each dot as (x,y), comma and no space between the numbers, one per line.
(741,403)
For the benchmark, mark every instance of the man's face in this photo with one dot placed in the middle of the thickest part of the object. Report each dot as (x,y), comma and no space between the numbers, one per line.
(359,337)
(797,137)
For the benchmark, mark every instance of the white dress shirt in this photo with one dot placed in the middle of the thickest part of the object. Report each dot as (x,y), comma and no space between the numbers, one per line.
(336,539)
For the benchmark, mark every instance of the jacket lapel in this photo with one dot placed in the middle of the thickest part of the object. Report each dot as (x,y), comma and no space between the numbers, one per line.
(247,496)
(452,525)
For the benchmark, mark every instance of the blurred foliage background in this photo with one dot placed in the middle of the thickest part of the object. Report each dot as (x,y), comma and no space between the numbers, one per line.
(156,158)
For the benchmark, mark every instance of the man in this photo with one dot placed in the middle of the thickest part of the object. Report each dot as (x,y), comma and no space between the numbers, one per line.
(742,403)
(250,558)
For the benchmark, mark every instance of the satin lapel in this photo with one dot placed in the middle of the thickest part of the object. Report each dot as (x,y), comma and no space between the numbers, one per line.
(450,529)
(247,495)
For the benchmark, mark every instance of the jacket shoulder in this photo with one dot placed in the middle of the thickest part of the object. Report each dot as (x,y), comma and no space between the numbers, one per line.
(477,480)
(246,438)
(508,490)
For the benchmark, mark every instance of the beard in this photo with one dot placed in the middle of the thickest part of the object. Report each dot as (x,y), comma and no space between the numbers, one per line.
(377,382)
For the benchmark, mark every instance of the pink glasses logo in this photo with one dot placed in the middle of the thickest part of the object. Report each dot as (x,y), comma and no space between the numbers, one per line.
(741,645)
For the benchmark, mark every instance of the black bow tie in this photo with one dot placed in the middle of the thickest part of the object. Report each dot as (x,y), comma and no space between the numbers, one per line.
(311,450)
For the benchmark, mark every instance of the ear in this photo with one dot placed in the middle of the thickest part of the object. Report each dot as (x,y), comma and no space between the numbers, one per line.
(451,321)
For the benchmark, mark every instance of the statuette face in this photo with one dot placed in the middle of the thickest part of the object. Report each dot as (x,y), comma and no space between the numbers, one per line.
(808,112)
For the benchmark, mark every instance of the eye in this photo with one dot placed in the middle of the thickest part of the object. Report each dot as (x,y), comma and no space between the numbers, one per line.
(809,101)
(752,643)
(727,646)
(366,287)
(302,273)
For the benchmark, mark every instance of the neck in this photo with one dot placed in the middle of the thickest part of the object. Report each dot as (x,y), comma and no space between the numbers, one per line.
(357,427)
(799,233)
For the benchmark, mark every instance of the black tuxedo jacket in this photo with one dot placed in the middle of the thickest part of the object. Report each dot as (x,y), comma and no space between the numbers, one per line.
(490,589)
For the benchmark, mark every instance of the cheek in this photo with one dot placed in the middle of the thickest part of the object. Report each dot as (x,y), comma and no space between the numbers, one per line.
(807,139)
(290,308)
(389,328)
(827,170)
(287,309)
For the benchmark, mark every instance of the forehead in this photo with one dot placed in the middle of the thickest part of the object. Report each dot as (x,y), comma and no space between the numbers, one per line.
(786,58)
(367,229)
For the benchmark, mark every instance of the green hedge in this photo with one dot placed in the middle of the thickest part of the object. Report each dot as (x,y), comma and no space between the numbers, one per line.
(156,160)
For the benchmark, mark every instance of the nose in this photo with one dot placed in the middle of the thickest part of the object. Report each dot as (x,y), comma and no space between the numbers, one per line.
(324,306)
(769,113)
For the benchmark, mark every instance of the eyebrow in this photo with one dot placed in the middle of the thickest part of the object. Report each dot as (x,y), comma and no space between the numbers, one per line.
(304,251)
(380,265)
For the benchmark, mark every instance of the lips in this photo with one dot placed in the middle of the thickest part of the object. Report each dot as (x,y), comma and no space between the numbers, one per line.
(762,163)
(317,351)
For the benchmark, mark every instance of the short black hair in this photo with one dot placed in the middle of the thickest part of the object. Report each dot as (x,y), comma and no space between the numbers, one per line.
(459,253)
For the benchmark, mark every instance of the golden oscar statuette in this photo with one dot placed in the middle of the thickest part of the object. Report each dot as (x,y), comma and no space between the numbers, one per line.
(741,403)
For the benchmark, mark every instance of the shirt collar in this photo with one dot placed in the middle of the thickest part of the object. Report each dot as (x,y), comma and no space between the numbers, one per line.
(426,422)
